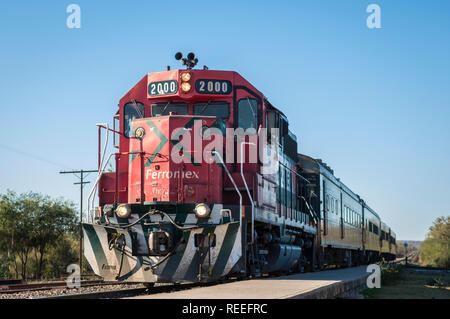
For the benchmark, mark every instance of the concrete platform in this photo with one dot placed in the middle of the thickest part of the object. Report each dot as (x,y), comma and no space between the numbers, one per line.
(324,284)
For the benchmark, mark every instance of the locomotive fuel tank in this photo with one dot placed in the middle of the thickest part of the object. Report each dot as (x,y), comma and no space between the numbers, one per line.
(283,257)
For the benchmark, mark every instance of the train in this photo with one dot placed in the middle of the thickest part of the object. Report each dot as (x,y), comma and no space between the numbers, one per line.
(200,179)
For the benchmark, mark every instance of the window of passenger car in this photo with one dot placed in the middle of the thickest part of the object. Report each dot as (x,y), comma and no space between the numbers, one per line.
(161,109)
(131,111)
(247,113)
(219,109)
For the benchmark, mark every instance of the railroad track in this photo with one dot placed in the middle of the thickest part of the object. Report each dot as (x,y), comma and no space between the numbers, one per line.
(122,293)
(60,286)
(90,289)
(13,288)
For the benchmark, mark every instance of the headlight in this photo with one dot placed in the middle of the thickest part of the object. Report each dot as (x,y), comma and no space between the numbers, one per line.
(123,211)
(185,76)
(186,87)
(202,211)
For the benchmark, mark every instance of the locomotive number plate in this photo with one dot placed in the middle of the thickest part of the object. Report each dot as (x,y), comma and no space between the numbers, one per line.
(162,88)
(213,86)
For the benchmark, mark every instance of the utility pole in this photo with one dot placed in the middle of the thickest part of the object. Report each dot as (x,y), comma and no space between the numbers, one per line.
(406,254)
(81,183)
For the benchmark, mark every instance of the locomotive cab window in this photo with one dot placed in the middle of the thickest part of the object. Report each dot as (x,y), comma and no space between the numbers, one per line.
(284,130)
(219,109)
(162,109)
(272,122)
(131,111)
(247,114)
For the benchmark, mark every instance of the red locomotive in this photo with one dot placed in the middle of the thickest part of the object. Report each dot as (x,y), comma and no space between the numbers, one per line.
(208,183)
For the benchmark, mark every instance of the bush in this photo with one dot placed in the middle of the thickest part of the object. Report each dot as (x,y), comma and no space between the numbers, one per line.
(390,273)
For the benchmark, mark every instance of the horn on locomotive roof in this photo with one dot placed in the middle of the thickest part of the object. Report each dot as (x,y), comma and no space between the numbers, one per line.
(190,61)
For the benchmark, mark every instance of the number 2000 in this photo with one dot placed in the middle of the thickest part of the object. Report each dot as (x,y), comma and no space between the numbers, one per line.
(213,86)
(162,88)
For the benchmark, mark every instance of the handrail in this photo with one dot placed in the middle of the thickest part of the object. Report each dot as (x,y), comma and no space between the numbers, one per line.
(101,158)
(310,209)
(102,170)
(248,191)
(100,126)
(102,165)
(239,193)
(234,184)
(287,167)
(94,188)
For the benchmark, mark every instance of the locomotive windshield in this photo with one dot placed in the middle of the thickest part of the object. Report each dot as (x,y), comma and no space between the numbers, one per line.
(247,112)
(132,111)
(161,109)
(219,109)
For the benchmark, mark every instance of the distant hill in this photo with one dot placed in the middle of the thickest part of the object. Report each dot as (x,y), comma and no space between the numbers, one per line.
(411,243)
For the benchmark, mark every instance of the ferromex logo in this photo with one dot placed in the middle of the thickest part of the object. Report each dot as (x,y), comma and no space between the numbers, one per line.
(108,267)
(171,174)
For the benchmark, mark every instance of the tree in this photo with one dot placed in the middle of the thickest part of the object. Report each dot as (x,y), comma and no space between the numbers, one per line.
(7,232)
(435,250)
(59,255)
(15,232)
(31,222)
(53,219)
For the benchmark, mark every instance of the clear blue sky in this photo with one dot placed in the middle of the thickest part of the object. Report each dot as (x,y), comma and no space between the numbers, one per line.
(372,103)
